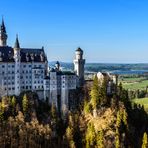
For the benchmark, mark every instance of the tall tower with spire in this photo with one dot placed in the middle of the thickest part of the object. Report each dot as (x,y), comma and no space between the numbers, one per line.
(3,34)
(17,59)
(79,65)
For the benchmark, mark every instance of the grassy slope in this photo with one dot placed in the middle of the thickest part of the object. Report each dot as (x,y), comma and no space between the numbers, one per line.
(134,83)
(142,101)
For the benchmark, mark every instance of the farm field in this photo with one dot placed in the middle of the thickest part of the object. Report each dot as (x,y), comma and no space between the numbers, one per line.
(134,83)
(142,101)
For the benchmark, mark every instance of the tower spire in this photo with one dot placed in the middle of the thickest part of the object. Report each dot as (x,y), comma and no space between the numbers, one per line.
(3,34)
(17,44)
(3,25)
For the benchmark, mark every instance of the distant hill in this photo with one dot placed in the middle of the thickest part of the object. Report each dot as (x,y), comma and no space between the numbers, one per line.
(95,67)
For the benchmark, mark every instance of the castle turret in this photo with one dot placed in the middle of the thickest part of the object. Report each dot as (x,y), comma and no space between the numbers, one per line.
(79,65)
(57,66)
(17,59)
(3,34)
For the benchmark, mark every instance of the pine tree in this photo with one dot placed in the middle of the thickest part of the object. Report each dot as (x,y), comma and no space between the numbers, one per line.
(103,91)
(87,107)
(95,93)
(120,88)
(69,137)
(125,117)
(25,104)
(90,136)
(53,111)
(71,120)
(13,101)
(144,141)
(13,104)
(118,120)
(100,143)
(1,112)
(117,141)
(54,117)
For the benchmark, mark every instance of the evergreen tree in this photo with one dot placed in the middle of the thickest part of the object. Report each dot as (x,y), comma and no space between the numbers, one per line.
(120,89)
(13,101)
(118,120)
(125,117)
(144,141)
(100,143)
(87,107)
(53,111)
(1,112)
(13,104)
(117,141)
(95,93)
(90,136)
(54,118)
(69,137)
(25,103)
(103,91)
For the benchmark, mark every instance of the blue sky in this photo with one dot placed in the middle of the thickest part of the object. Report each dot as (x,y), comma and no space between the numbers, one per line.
(110,31)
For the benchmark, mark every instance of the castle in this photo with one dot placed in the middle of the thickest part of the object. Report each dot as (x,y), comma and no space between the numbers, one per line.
(111,79)
(23,69)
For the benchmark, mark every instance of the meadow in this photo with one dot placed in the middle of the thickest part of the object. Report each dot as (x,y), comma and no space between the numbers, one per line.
(134,83)
(142,101)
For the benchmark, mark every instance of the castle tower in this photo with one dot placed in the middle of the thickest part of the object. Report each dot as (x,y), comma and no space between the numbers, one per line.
(57,66)
(79,65)
(53,88)
(3,34)
(17,66)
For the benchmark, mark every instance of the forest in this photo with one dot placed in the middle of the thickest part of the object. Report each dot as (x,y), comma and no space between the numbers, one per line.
(99,121)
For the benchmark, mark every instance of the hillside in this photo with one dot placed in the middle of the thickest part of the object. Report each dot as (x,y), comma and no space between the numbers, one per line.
(26,121)
(116,68)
